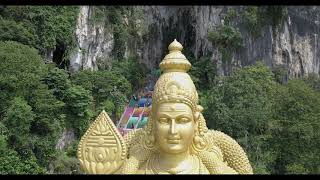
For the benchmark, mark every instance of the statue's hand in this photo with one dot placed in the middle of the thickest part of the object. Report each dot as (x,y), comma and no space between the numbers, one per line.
(102,149)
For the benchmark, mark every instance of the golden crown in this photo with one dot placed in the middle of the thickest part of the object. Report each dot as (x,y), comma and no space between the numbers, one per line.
(175,84)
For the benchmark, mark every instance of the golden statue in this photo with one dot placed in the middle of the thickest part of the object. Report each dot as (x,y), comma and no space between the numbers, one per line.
(175,140)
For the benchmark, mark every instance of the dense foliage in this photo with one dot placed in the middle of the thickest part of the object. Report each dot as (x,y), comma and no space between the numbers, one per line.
(108,89)
(39,101)
(29,110)
(256,18)
(226,38)
(277,124)
(124,22)
(42,27)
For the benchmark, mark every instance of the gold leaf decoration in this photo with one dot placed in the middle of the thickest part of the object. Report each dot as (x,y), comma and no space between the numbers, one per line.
(102,149)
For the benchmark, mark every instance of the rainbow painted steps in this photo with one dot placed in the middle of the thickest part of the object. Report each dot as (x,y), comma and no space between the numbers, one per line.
(136,114)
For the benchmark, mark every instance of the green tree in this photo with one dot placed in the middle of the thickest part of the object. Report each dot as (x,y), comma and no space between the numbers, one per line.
(226,36)
(228,40)
(42,27)
(11,30)
(3,144)
(313,80)
(58,81)
(79,107)
(108,106)
(203,72)
(257,18)
(132,70)
(277,124)
(252,17)
(21,67)
(66,165)
(11,163)
(295,128)
(22,76)
(18,119)
(240,106)
(104,86)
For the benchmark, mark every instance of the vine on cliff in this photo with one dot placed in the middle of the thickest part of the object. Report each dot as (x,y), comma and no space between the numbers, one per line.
(227,38)
(124,22)
(255,18)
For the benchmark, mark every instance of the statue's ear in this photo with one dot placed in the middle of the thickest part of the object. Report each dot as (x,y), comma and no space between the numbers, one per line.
(197,116)
(199,108)
(198,112)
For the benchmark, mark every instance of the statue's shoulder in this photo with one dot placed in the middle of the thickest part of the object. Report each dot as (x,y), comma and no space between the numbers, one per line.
(135,143)
(221,138)
(137,154)
(232,152)
(133,137)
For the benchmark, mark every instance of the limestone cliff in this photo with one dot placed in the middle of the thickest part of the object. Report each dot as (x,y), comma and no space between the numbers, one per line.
(292,45)
(92,40)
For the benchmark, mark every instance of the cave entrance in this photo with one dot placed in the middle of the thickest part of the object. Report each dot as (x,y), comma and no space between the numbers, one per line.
(58,56)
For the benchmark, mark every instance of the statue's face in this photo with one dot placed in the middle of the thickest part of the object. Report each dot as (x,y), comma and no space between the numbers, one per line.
(174,127)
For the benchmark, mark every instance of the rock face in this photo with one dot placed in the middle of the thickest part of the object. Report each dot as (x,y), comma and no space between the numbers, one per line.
(296,45)
(93,42)
(67,138)
(293,45)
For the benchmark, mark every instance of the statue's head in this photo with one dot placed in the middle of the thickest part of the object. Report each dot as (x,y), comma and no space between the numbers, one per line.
(175,124)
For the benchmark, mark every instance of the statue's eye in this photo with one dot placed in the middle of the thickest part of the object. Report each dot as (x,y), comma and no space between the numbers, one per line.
(163,120)
(184,120)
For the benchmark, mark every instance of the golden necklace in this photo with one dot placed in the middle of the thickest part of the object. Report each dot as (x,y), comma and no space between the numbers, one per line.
(155,167)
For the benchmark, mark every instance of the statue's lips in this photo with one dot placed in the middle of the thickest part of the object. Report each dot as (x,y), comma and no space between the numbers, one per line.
(173,140)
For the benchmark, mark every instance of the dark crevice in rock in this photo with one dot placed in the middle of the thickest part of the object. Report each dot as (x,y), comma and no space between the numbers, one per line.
(58,56)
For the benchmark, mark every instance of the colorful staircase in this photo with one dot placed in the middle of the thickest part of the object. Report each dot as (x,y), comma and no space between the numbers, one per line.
(136,114)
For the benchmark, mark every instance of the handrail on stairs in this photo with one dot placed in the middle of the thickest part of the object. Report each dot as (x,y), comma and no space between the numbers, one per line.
(140,117)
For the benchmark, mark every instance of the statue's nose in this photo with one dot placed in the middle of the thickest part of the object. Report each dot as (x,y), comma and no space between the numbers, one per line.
(173,127)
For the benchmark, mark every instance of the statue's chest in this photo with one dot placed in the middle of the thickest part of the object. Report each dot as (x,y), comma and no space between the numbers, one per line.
(151,167)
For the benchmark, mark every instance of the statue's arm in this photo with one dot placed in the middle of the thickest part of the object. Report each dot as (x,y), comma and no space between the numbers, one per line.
(233,154)
(215,164)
